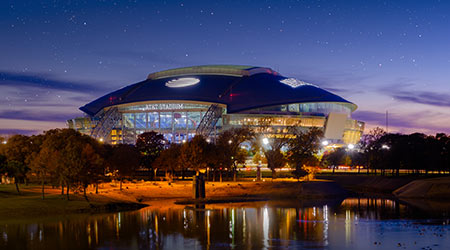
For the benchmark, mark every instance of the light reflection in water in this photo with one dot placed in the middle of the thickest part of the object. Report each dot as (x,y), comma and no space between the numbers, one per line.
(274,224)
(266,228)
(325,225)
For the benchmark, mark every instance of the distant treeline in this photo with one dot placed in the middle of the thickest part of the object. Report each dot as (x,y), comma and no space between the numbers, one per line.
(389,153)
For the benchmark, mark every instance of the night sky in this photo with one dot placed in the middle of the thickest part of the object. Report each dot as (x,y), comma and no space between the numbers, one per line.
(56,56)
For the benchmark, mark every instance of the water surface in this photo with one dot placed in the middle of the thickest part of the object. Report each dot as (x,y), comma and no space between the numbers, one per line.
(353,223)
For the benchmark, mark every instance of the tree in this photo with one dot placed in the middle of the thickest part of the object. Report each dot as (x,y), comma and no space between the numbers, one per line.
(51,156)
(2,144)
(371,146)
(69,157)
(43,165)
(195,154)
(92,165)
(169,160)
(124,159)
(272,149)
(229,145)
(150,145)
(334,158)
(303,149)
(17,151)
(275,159)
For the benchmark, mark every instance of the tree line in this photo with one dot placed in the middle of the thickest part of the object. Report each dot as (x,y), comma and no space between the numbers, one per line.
(388,153)
(72,161)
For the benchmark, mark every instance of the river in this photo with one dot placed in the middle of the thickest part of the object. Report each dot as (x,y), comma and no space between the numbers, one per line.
(351,223)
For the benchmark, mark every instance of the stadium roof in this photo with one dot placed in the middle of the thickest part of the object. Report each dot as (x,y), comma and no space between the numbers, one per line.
(238,87)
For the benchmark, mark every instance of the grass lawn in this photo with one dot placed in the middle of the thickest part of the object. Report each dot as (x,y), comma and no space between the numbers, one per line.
(29,202)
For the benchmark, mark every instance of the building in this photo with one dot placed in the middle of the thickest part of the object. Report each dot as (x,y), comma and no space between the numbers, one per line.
(183,102)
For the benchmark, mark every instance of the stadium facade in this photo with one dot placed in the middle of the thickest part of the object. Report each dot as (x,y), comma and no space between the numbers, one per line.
(180,103)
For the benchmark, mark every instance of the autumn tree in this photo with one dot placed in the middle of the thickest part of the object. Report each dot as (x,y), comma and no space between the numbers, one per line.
(17,151)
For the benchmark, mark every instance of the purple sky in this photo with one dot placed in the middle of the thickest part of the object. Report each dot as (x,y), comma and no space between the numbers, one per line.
(381,55)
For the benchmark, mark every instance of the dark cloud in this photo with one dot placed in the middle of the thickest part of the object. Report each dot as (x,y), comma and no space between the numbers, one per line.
(37,116)
(403,89)
(42,81)
(423,97)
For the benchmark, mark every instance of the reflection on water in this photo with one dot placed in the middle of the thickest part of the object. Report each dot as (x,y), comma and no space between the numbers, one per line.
(357,223)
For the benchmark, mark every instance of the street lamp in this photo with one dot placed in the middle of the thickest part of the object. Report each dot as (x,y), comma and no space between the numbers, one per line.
(4,142)
(325,143)
(265,141)
(230,141)
(350,146)
(101,139)
(384,146)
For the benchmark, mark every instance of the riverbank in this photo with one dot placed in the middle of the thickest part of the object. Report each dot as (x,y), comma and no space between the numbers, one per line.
(369,184)
(135,195)
(434,188)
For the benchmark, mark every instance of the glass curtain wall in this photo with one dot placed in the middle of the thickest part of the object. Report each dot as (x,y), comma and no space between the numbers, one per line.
(177,122)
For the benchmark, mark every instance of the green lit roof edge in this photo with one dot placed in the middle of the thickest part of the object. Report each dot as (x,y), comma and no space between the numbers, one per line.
(231,70)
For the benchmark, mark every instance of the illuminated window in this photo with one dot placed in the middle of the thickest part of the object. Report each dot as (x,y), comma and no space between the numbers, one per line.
(141,120)
(153,120)
(179,120)
(128,120)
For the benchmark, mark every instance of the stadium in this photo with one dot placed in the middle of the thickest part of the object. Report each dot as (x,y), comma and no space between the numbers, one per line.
(181,103)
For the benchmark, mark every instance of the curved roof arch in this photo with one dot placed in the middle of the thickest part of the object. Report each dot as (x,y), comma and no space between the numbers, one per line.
(238,87)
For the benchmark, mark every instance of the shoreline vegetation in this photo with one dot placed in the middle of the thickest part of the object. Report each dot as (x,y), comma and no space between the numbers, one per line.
(136,195)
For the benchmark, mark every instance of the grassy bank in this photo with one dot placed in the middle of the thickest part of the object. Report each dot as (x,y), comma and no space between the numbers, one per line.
(29,203)
(371,184)
(134,195)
